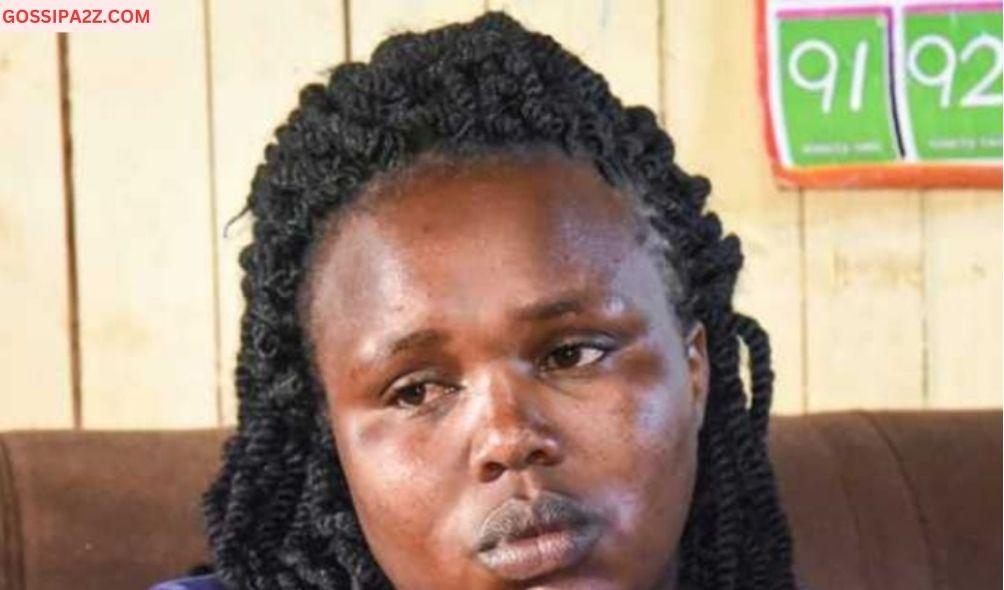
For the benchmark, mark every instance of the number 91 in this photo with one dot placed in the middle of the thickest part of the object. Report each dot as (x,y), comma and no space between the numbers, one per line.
(826,84)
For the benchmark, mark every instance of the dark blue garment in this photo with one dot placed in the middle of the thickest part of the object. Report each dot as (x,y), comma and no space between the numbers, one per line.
(197,583)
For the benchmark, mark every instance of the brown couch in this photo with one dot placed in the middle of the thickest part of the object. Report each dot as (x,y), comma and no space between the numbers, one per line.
(876,500)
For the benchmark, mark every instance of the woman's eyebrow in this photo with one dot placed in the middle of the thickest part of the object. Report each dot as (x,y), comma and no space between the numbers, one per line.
(410,341)
(564,304)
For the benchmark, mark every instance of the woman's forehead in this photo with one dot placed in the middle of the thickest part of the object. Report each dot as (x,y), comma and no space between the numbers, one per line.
(530,186)
(494,237)
(494,208)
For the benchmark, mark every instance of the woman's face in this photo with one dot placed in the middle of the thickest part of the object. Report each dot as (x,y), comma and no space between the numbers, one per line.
(513,401)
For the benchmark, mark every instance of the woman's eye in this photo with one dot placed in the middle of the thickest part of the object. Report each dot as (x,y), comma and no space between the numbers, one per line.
(417,394)
(570,356)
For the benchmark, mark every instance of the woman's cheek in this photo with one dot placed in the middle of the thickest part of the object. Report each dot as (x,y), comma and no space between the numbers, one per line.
(397,452)
(402,491)
(652,395)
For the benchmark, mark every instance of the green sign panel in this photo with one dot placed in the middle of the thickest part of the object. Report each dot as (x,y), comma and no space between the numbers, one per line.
(953,83)
(885,83)
(835,90)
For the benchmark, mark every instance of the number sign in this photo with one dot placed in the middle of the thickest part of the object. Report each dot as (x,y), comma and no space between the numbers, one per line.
(883,93)
(953,84)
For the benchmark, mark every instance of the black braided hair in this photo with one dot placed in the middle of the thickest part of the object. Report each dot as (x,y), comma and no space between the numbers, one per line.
(279,515)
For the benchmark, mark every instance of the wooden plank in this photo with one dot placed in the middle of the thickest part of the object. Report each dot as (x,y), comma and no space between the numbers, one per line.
(620,40)
(35,374)
(864,299)
(258,68)
(712,112)
(963,298)
(141,172)
(374,20)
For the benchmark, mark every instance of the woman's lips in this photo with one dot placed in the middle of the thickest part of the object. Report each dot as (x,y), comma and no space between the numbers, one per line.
(522,539)
(534,556)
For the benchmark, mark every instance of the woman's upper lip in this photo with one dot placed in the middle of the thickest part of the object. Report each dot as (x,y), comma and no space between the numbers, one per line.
(532,528)
(519,518)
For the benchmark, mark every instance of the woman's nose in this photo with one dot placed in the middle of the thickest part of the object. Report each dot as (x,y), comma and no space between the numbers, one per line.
(511,433)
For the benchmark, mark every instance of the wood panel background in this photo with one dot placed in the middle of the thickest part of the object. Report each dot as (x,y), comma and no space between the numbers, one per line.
(125,155)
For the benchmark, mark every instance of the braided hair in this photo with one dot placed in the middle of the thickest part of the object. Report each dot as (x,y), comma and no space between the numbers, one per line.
(279,513)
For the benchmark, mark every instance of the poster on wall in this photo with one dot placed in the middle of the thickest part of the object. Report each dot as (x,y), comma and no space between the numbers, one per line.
(882,93)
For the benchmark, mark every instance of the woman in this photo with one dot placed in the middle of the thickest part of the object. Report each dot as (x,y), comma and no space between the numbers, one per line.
(489,342)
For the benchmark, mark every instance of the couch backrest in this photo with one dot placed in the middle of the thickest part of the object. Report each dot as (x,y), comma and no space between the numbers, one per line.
(893,500)
(876,501)
(101,510)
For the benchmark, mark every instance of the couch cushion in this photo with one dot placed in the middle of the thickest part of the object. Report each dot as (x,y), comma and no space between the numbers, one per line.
(893,500)
(952,464)
(102,509)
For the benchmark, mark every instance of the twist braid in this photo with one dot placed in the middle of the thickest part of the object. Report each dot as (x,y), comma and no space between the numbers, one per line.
(279,514)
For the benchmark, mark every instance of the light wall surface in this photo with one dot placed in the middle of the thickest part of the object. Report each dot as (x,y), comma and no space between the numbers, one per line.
(126,153)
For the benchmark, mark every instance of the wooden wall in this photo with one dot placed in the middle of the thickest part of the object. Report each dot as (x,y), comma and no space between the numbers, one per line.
(125,154)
